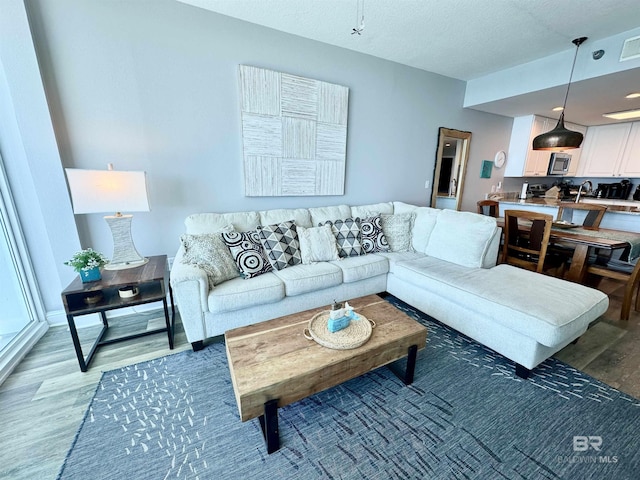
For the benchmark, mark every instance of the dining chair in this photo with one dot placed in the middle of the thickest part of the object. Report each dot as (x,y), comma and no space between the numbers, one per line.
(591,221)
(628,273)
(490,208)
(595,213)
(526,238)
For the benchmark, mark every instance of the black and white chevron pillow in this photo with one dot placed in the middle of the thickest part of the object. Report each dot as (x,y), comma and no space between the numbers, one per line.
(348,236)
(281,244)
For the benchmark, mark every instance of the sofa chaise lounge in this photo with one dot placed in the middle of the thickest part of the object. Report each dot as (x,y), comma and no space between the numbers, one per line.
(442,262)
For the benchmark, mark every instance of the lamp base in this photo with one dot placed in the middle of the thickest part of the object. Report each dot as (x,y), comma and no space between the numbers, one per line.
(125,254)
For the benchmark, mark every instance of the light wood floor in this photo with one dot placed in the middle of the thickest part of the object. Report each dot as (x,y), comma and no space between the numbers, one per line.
(43,401)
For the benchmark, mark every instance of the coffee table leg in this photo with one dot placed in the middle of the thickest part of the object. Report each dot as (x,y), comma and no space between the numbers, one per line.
(269,425)
(407,376)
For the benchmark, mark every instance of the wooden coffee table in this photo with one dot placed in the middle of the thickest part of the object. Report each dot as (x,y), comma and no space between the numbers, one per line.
(272,364)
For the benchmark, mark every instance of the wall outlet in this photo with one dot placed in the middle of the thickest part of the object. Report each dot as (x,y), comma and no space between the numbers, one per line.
(427,184)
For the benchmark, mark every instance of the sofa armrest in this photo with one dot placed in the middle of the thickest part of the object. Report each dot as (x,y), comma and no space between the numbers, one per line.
(191,289)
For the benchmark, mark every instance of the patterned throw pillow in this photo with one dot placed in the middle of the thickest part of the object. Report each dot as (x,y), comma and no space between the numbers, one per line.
(373,238)
(397,228)
(210,253)
(280,243)
(348,236)
(248,253)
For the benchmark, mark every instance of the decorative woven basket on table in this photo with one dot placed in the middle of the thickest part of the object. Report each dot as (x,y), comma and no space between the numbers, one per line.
(356,334)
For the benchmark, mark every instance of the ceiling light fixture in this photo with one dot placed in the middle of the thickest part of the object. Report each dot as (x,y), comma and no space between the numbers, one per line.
(633,95)
(625,115)
(359,17)
(557,109)
(560,138)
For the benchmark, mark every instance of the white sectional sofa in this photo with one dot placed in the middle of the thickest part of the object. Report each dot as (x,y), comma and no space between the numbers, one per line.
(447,269)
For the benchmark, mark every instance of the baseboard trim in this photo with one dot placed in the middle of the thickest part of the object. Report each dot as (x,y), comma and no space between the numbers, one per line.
(18,349)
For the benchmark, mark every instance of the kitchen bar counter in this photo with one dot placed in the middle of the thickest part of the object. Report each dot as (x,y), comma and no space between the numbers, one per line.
(629,207)
(617,217)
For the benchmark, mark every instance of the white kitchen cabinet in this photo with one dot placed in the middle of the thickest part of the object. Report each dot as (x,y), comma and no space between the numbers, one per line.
(576,153)
(522,160)
(630,165)
(603,150)
(537,161)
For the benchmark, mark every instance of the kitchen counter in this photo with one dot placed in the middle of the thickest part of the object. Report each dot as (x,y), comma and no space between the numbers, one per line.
(629,207)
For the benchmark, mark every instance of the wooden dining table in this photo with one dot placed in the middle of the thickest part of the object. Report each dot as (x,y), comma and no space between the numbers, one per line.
(586,240)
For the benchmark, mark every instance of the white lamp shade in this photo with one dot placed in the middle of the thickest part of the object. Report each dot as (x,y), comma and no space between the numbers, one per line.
(99,191)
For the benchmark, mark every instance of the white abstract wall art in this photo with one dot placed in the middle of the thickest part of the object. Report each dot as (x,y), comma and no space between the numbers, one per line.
(294,134)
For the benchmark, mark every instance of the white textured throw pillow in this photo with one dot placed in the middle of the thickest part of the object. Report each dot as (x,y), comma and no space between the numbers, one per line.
(317,244)
(211,254)
(397,230)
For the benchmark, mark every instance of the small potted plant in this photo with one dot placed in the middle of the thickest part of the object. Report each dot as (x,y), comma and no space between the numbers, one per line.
(87,263)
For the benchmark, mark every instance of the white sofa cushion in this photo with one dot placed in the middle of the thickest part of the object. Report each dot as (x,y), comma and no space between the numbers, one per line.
(322,214)
(301,216)
(372,209)
(461,237)
(200,223)
(394,258)
(239,293)
(401,207)
(558,310)
(317,244)
(423,223)
(364,266)
(309,278)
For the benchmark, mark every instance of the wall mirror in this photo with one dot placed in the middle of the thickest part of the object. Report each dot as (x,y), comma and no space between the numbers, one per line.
(450,168)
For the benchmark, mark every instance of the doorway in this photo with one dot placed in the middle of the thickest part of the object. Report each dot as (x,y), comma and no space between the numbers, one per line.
(450,168)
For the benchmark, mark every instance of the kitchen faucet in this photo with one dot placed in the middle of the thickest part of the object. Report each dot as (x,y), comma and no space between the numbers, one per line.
(580,189)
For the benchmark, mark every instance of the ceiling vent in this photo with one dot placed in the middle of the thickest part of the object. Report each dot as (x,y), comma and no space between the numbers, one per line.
(630,49)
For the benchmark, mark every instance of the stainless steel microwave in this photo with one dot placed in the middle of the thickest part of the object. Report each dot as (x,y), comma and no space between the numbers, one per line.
(559,164)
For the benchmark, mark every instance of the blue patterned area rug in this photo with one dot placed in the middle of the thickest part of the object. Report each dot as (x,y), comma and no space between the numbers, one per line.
(466,416)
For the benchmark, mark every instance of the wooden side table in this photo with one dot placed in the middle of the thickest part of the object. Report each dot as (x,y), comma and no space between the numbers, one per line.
(152,282)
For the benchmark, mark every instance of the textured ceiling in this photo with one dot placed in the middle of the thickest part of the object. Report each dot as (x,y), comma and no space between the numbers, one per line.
(463,39)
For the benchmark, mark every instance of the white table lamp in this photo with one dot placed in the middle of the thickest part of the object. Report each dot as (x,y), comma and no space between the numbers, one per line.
(99,191)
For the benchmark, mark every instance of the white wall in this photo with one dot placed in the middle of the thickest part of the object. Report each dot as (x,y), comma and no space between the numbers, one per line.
(154,87)
(28,148)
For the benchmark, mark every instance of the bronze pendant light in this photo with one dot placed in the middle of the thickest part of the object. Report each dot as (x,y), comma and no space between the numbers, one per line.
(560,138)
